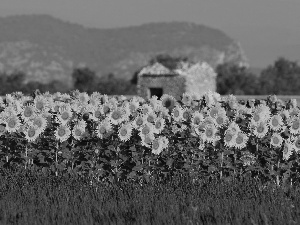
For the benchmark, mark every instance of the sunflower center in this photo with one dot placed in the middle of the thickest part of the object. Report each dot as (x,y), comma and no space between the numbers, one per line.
(145,130)
(256,117)
(12,123)
(275,122)
(185,115)
(168,103)
(102,130)
(28,112)
(260,129)
(220,120)
(176,113)
(38,123)
(239,139)
(155,144)
(61,132)
(296,125)
(123,132)
(65,115)
(97,114)
(276,140)
(31,132)
(116,115)
(158,124)
(297,143)
(228,137)
(209,133)
(78,132)
(150,119)
(197,120)
(2,128)
(39,105)
(139,121)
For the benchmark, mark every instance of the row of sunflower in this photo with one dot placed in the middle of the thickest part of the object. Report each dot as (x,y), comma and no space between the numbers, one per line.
(210,118)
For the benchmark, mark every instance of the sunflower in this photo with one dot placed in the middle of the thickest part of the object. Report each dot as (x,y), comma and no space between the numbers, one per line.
(229,138)
(165,142)
(209,134)
(41,103)
(155,103)
(95,99)
(125,131)
(104,128)
(157,146)
(242,110)
(234,127)
(145,109)
(159,125)
(260,130)
(62,133)
(81,123)
(168,101)
(65,114)
(240,140)
(146,140)
(151,117)
(116,116)
(209,99)
(83,98)
(31,132)
(133,105)
(28,112)
(186,114)
(248,158)
(96,114)
(146,129)
(287,150)
(294,112)
(106,108)
(201,143)
(78,132)
(177,113)
(139,121)
(264,111)
(55,106)
(284,114)
(41,123)
(2,127)
(296,144)
(186,99)
(196,119)
(294,125)
(276,140)
(216,110)
(275,122)
(221,120)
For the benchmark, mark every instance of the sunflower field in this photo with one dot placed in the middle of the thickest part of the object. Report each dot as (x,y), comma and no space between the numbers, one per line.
(114,139)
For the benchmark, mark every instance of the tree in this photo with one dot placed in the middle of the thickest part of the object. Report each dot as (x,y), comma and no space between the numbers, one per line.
(282,78)
(233,79)
(84,79)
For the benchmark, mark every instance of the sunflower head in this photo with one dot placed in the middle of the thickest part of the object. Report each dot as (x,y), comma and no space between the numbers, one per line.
(168,101)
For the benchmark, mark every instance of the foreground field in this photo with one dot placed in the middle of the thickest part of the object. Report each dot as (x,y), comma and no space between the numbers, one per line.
(29,199)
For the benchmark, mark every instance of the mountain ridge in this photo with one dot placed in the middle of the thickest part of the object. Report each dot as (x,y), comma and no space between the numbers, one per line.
(47,48)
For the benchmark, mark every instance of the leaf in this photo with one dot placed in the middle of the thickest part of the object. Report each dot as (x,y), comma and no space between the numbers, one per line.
(228,152)
(212,168)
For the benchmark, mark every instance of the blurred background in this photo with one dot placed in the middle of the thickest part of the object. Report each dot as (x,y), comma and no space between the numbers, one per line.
(101,45)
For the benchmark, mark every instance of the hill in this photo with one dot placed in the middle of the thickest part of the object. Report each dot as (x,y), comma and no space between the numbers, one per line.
(48,49)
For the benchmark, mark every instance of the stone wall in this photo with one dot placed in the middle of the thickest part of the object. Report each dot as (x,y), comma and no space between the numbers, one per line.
(171,84)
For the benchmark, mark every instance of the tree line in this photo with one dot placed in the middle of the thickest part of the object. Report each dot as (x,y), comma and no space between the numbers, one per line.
(281,78)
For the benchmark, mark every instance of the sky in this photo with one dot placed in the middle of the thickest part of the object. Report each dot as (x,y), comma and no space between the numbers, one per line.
(266,29)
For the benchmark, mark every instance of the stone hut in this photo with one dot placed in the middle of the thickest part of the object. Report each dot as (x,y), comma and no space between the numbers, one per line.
(156,79)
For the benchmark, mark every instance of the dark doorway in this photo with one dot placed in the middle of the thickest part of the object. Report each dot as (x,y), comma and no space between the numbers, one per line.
(156,91)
